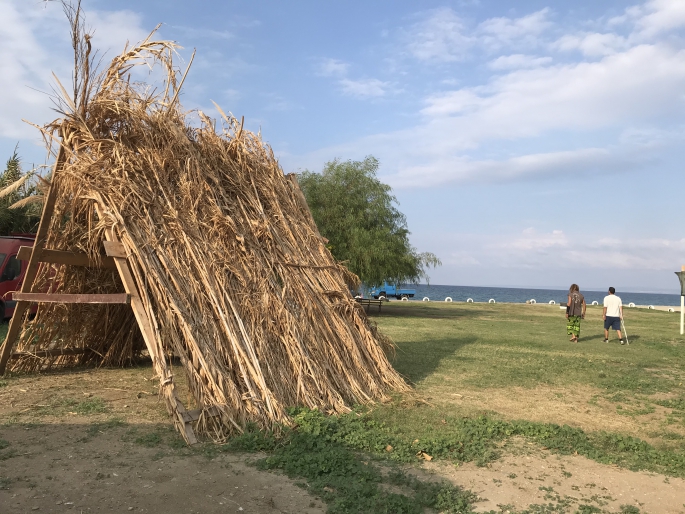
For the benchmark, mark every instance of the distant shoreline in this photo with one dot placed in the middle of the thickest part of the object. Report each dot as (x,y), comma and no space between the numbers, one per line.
(438,292)
(546,288)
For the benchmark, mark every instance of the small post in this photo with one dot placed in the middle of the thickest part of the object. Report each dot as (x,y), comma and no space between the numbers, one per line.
(682,300)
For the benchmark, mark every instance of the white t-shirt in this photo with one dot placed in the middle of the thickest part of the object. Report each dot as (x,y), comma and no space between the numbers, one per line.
(613,304)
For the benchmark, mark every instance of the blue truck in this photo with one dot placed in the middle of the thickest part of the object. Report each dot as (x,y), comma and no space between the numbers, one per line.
(387,291)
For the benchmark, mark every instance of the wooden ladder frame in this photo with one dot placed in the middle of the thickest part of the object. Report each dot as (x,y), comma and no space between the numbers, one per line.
(116,258)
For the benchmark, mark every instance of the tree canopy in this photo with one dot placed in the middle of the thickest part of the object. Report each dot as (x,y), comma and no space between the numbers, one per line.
(20,199)
(358,215)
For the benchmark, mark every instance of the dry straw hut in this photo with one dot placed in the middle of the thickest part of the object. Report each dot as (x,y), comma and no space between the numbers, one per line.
(221,263)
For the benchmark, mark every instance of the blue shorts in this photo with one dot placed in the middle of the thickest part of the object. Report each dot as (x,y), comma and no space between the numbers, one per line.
(613,322)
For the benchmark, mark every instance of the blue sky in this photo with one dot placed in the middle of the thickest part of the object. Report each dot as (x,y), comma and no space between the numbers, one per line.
(531,146)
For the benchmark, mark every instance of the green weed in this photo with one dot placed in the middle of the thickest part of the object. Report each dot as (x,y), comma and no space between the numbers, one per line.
(91,406)
(676,403)
(100,428)
(347,481)
(150,439)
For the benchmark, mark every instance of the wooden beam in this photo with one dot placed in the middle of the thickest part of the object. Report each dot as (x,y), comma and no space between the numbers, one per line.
(70,258)
(34,261)
(194,415)
(120,298)
(55,352)
(115,249)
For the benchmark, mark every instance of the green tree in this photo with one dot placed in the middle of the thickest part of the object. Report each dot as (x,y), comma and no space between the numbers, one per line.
(19,199)
(358,215)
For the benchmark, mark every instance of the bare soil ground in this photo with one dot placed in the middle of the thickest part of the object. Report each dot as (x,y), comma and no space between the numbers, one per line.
(100,441)
(528,476)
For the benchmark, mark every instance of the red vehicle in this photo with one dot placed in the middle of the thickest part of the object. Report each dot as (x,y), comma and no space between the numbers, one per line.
(12,270)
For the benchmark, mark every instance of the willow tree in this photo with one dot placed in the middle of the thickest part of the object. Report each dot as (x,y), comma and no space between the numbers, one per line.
(358,215)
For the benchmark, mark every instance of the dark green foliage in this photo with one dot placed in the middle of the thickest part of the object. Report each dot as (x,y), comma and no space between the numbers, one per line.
(357,213)
(22,219)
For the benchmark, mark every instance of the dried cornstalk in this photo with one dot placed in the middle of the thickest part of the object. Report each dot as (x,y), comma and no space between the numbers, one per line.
(235,278)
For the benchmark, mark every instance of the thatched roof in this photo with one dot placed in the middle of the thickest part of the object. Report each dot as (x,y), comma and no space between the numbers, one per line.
(235,280)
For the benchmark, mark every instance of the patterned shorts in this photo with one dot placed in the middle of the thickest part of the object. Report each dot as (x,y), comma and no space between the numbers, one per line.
(573,326)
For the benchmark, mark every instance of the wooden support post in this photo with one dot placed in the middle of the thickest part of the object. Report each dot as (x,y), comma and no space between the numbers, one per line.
(682,308)
(34,261)
(116,250)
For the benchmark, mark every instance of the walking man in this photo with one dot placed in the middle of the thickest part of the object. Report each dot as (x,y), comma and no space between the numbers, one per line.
(612,314)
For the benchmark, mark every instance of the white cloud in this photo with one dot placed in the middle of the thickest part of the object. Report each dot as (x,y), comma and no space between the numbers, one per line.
(642,83)
(443,36)
(559,250)
(653,17)
(34,42)
(333,68)
(440,37)
(461,169)
(518,61)
(592,44)
(364,88)
(500,32)
(531,240)
(461,129)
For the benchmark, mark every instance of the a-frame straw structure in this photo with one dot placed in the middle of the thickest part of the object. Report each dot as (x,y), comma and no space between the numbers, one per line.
(209,260)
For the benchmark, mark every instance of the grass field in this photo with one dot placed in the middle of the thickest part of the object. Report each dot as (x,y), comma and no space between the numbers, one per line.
(500,392)
(517,361)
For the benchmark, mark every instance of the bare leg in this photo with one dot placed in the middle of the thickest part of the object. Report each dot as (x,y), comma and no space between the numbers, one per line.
(606,334)
(618,332)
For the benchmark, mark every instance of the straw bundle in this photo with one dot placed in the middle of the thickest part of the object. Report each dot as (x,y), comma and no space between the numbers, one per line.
(235,278)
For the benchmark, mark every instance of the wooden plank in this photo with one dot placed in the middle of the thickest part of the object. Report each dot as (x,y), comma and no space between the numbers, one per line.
(115,249)
(24,253)
(194,415)
(121,298)
(158,361)
(56,352)
(32,267)
(70,258)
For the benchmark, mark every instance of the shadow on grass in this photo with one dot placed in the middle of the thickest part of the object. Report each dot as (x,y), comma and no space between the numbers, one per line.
(418,360)
(600,338)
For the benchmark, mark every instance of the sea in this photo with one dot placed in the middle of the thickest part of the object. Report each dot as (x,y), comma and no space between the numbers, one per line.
(521,295)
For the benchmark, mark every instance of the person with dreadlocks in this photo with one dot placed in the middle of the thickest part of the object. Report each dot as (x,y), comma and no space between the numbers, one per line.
(575,311)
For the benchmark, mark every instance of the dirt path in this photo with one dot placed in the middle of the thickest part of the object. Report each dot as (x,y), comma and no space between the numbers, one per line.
(100,440)
(76,468)
(528,476)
